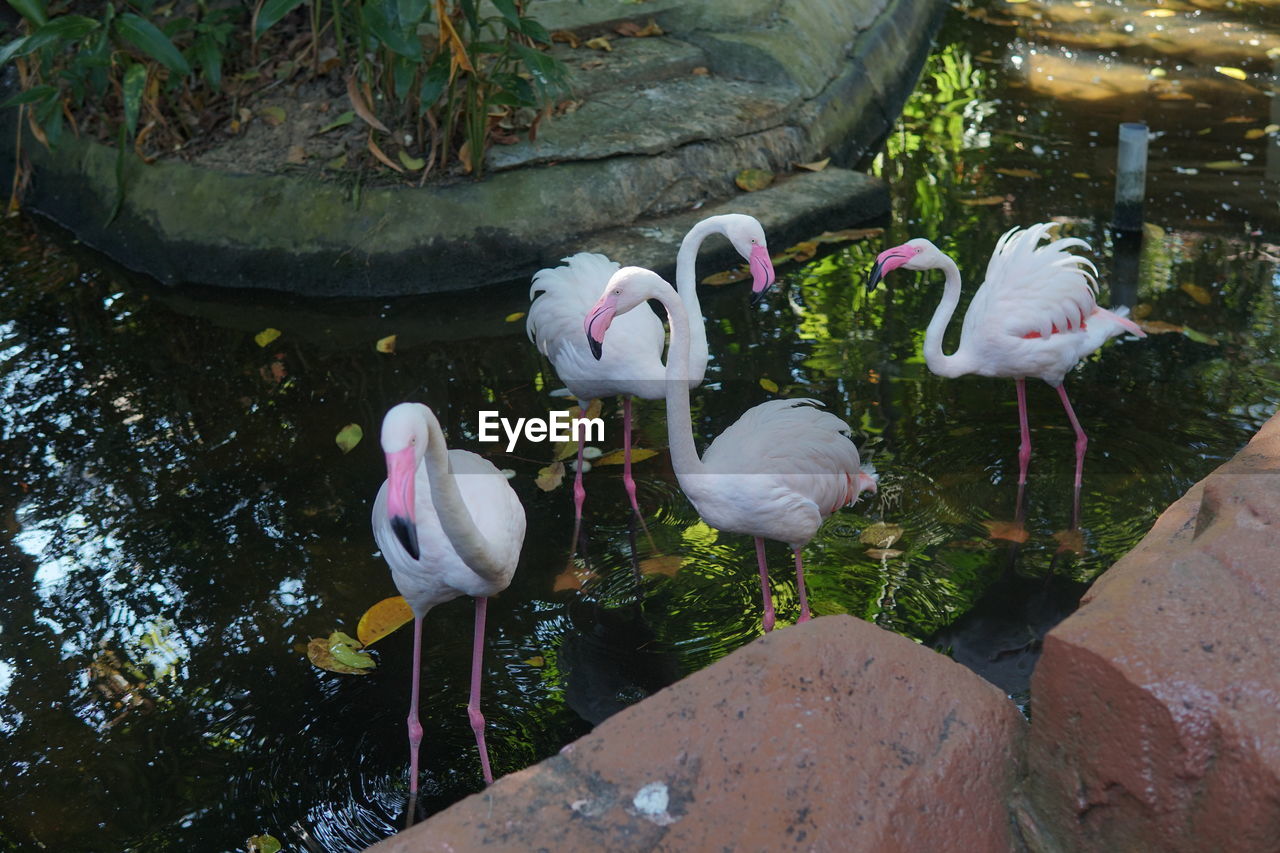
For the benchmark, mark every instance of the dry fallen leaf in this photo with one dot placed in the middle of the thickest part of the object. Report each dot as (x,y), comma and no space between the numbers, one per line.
(382,158)
(1070,540)
(361,107)
(617,457)
(1196,292)
(550,477)
(1224,164)
(536,660)
(339,653)
(1157,327)
(1018,173)
(1159,13)
(727,277)
(700,71)
(986,199)
(769,385)
(266,336)
(572,578)
(1229,71)
(517,315)
(1237,120)
(273,116)
(567,37)
(753,180)
(297,155)
(667,565)
(803,251)
(848,234)
(599,43)
(386,345)
(881,535)
(383,618)
(1011,531)
(815,166)
(1175,96)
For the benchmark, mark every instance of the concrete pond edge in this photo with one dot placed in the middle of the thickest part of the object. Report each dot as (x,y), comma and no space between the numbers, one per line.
(183,224)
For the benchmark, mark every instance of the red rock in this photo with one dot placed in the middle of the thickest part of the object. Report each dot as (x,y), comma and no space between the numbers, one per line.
(1156,706)
(832,735)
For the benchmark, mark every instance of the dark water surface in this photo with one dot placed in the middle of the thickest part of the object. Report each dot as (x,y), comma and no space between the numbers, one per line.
(178,521)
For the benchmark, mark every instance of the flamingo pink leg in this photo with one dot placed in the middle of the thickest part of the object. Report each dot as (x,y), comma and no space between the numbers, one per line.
(473,705)
(764,586)
(1024,449)
(804,596)
(627,480)
(415,724)
(1082,440)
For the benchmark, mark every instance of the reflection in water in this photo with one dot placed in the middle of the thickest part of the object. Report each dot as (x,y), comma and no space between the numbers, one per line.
(177,520)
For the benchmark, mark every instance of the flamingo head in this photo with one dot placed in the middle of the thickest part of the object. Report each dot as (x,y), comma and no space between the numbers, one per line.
(404,441)
(917,254)
(627,288)
(747,236)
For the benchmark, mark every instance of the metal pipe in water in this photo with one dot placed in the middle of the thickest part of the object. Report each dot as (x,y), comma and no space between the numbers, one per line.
(1131,176)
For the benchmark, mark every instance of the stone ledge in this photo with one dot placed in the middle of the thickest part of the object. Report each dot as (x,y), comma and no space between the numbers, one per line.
(184,224)
(1156,706)
(833,735)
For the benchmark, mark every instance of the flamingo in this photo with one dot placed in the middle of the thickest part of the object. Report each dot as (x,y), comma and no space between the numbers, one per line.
(1035,315)
(634,368)
(448,524)
(775,473)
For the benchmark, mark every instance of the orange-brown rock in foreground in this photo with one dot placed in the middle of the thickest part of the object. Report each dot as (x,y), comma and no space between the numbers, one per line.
(1155,707)
(832,735)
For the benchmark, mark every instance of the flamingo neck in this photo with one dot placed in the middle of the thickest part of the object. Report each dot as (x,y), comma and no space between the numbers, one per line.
(687,285)
(939,362)
(684,453)
(466,539)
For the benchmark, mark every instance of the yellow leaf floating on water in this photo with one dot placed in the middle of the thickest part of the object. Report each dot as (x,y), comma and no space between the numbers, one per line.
(802,252)
(550,477)
(727,277)
(386,345)
(1224,164)
(383,618)
(348,437)
(984,200)
(815,166)
(638,454)
(752,180)
(769,385)
(572,578)
(1084,176)
(536,660)
(1070,540)
(339,653)
(1018,173)
(848,234)
(1199,337)
(1158,327)
(266,336)
(667,564)
(1237,120)
(1159,13)
(517,315)
(1229,71)
(1196,292)
(264,844)
(881,535)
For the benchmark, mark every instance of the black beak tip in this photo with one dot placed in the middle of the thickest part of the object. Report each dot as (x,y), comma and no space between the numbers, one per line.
(406,534)
(874,277)
(597,348)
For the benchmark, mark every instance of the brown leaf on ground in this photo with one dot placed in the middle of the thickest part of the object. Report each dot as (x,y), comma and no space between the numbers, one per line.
(383,158)
(567,37)
(273,116)
(361,107)
(815,166)
(297,155)
(599,43)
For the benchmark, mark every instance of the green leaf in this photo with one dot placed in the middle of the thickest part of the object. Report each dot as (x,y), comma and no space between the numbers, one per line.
(411,163)
(34,11)
(343,648)
(207,55)
(341,121)
(266,336)
(534,30)
(272,12)
(509,12)
(67,28)
(411,12)
(348,437)
(403,70)
(122,141)
(264,844)
(17,47)
(434,81)
(392,37)
(30,96)
(143,35)
(135,81)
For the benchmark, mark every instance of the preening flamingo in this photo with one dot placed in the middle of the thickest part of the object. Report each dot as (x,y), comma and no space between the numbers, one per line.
(775,473)
(562,295)
(448,524)
(1035,315)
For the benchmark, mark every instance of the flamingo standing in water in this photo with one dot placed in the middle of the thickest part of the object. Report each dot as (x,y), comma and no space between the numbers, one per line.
(448,524)
(562,295)
(1035,315)
(775,473)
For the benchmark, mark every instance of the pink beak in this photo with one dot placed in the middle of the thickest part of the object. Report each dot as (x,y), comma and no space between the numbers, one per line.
(401,471)
(887,261)
(761,272)
(599,318)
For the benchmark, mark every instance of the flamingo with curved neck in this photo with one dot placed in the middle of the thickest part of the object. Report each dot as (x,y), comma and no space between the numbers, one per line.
(775,473)
(448,524)
(1036,314)
(562,295)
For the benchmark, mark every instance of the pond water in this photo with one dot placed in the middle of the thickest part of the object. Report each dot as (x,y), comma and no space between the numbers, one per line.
(178,520)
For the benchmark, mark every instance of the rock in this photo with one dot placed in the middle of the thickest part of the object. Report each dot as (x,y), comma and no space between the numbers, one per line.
(1156,706)
(833,735)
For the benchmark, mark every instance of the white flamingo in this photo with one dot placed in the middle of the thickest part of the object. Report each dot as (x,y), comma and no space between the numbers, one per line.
(448,524)
(1035,315)
(562,295)
(775,473)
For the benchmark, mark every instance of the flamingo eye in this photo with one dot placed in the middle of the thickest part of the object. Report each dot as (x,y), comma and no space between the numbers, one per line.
(617,293)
